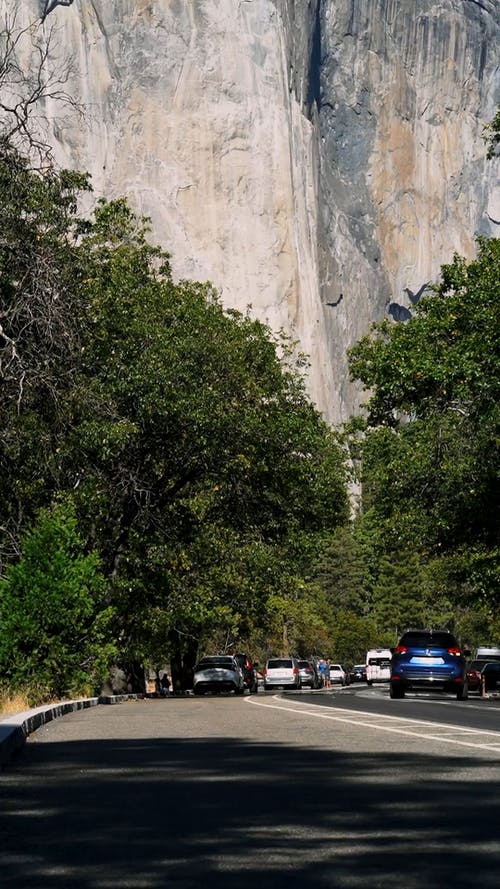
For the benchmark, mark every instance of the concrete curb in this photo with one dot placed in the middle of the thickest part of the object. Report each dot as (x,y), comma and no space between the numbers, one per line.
(15,729)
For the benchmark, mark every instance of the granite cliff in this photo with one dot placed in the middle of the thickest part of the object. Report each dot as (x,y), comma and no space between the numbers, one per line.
(317,160)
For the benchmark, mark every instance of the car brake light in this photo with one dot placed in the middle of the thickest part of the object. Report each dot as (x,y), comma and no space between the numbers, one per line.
(400,649)
(453,651)
(265,671)
(295,671)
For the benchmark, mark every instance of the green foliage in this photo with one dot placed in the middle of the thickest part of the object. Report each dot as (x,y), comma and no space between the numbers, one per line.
(40,324)
(344,569)
(54,623)
(432,433)
(492,136)
(352,636)
(182,430)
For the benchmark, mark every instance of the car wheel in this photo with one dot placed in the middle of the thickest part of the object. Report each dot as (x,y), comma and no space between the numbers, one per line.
(395,691)
(369,682)
(463,692)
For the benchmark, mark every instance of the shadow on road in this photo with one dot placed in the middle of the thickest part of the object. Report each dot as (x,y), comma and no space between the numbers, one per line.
(222,814)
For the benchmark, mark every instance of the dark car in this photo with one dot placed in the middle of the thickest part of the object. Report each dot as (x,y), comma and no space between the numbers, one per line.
(309,675)
(357,673)
(428,659)
(490,670)
(249,672)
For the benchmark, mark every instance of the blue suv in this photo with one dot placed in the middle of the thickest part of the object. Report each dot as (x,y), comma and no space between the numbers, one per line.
(428,659)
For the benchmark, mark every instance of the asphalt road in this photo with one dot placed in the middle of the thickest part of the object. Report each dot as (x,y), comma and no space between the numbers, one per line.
(478,713)
(262,792)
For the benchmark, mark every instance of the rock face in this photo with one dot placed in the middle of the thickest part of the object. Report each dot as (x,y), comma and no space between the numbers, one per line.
(317,160)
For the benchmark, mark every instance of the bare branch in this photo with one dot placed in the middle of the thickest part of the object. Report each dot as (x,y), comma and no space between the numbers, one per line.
(34,73)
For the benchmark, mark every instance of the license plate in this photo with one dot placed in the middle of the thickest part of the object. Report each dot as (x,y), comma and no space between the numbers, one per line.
(427,661)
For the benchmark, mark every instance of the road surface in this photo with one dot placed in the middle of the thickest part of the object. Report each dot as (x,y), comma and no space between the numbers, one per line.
(266,792)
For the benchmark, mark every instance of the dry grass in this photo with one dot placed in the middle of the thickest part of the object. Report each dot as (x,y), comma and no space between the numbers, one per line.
(13,703)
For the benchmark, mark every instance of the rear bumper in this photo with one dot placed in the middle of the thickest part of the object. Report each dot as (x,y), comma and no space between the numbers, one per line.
(215,686)
(281,683)
(447,681)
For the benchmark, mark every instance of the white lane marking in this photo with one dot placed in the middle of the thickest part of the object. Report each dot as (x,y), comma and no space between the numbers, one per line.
(417,733)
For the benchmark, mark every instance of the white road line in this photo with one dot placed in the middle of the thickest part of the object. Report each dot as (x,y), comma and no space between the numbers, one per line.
(351,719)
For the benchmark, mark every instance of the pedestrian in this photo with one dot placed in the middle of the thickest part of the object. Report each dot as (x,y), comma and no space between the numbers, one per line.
(164,685)
(328,683)
(322,671)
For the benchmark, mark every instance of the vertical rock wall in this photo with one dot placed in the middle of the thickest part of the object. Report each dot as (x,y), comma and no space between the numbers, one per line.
(405,91)
(315,159)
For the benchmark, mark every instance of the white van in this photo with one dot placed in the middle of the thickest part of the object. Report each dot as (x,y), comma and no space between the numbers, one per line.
(378,665)
(487,653)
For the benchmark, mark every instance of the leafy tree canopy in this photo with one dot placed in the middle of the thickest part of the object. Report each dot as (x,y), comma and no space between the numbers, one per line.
(431,448)
(182,429)
(54,620)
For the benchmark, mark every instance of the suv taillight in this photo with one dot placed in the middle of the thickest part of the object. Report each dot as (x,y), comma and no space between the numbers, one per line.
(295,671)
(265,671)
(400,649)
(453,651)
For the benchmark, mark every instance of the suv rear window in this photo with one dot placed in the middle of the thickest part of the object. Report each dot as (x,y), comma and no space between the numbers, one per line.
(429,640)
(276,663)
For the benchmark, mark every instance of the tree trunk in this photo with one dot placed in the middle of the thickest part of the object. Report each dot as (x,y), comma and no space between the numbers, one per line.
(182,663)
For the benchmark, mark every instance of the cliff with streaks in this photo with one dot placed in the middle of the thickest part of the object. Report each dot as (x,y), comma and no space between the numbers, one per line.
(317,160)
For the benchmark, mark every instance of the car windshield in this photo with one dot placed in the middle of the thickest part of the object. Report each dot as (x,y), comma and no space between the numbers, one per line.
(207,662)
(429,640)
(379,662)
(276,663)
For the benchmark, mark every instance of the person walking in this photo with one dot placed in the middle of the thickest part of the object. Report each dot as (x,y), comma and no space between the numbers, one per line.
(165,685)
(328,683)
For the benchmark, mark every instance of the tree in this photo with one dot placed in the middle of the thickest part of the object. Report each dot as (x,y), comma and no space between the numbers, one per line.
(182,429)
(54,621)
(431,452)
(25,88)
(40,329)
(492,136)
(344,569)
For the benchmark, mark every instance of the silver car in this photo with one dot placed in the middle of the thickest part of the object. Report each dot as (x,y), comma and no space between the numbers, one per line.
(218,673)
(282,672)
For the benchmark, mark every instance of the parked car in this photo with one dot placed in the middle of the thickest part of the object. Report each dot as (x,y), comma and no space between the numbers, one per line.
(378,665)
(487,653)
(358,673)
(489,669)
(218,673)
(249,672)
(428,659)
(282,672)
(338,674)
(309,675)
